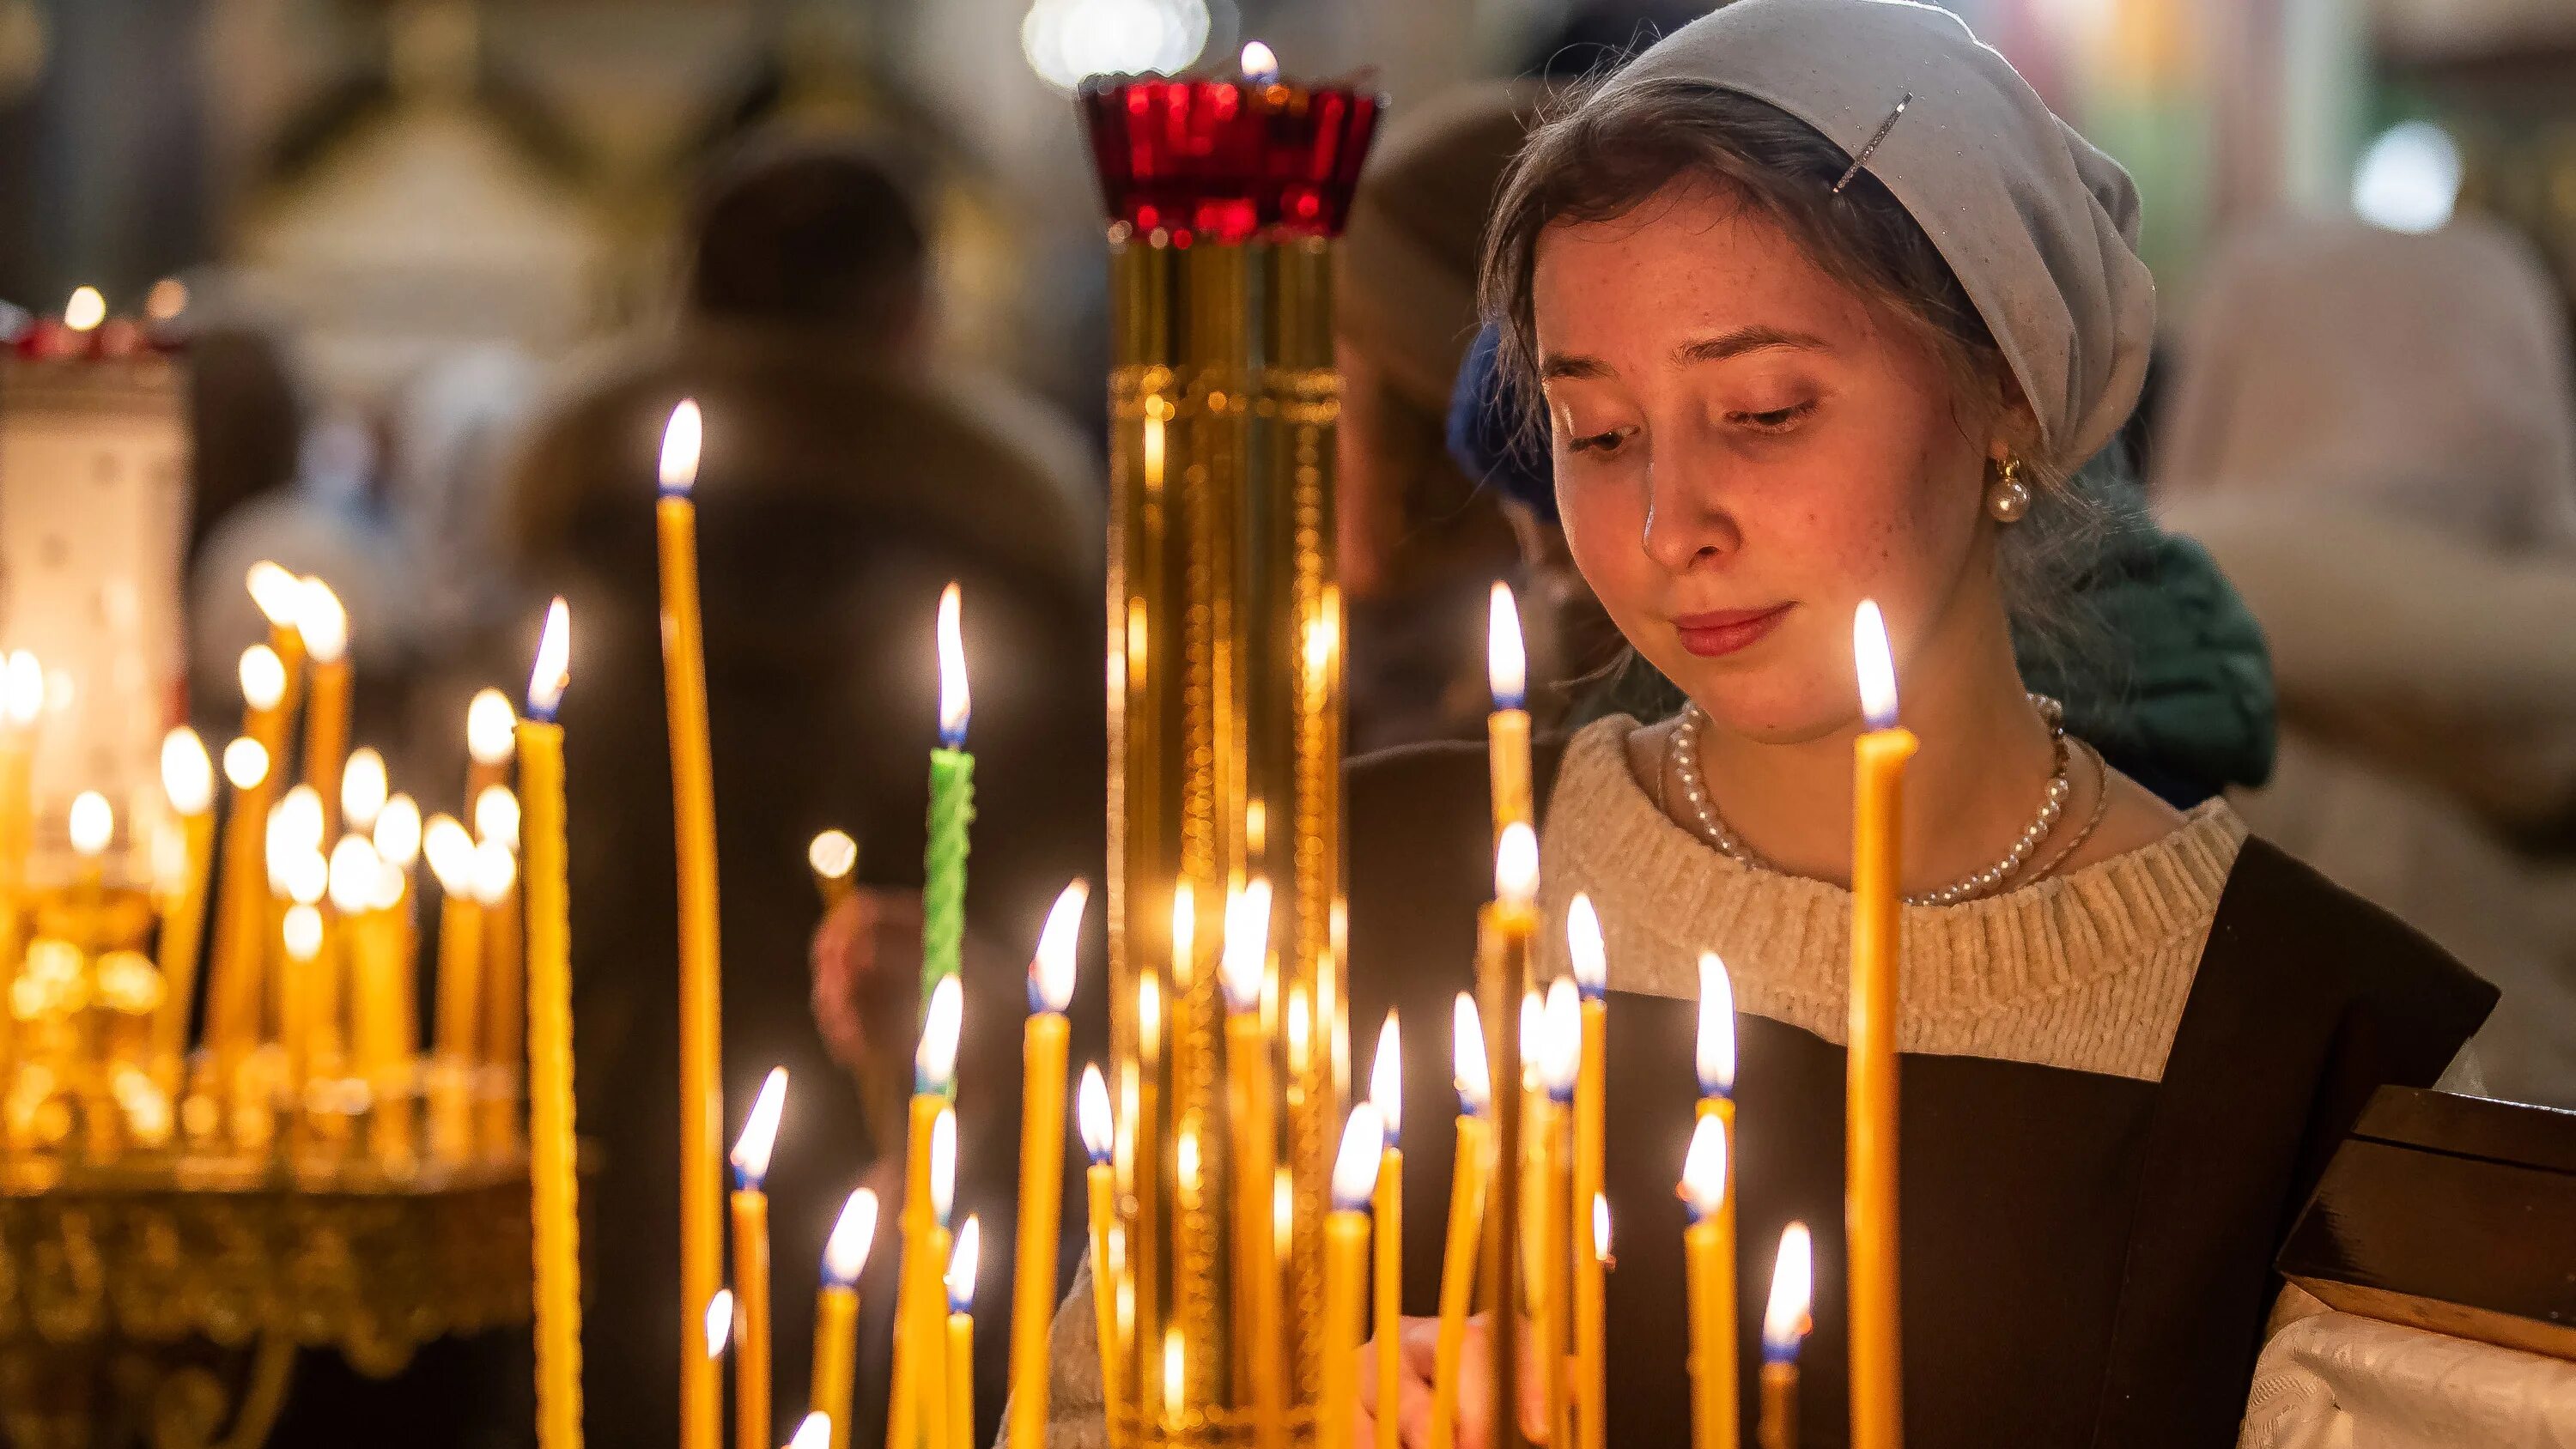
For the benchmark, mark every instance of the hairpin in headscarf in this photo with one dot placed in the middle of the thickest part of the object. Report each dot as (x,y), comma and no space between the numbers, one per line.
(1876,136)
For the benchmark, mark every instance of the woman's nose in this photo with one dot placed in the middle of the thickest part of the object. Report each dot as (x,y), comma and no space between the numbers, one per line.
(1686,524)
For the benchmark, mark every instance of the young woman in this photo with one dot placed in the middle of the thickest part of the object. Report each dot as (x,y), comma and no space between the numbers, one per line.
(1825,305)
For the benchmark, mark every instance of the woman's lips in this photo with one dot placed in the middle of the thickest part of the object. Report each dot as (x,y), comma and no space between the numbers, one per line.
(1724,631)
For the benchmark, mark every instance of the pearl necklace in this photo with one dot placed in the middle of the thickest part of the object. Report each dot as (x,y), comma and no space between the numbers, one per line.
(2052,805)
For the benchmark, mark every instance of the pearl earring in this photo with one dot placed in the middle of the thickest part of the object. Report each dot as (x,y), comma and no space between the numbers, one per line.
(2008,498)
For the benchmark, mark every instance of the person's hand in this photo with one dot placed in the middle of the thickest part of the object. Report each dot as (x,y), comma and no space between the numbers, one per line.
(1419,1340)
(866,957)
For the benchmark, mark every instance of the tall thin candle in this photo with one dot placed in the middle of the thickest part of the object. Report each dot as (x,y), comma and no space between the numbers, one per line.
(1243,970)
(1506,929)
(1356,1171)
(1560,1062)
(456,1021)
(960,1279)
(552,1155)
(1784,1327)
(1100,1182)
(1878,800)
(751,1260)
(1714,1063)
(324,624)
(1042,1064)
(1507,729)
(188,779)
(836,1317)
(1386,1094)
(952,808)
(1712,1359)
(1468,1172)
(1592,979)
(693,813)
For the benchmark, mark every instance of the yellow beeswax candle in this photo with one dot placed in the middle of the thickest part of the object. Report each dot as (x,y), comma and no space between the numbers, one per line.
(22,703)
(960,1280)
(1386,1094)
(324,625)
(836,1317)
(1507,729)
(1712,1358)
(934,1068)
(1592,980)
(253,764)
(1714,1061)
(1469,1169)
(1506,929)
(1042,1062)
(751,1258)
(1346,1256)
(552,1153)
(496,892)
(1243,969)
(1870,1204)
(1784,1327)
(491,742)
(929,1307)
(1100,1180)
(188,780)
(456,1025)
(1560,1062)
(693,814)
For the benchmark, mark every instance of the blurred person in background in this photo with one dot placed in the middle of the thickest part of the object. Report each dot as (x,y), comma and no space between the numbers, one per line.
(845,480)
(2371,431)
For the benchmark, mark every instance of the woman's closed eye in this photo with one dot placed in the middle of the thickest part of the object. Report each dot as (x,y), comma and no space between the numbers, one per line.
(1773,420)
(1597,443)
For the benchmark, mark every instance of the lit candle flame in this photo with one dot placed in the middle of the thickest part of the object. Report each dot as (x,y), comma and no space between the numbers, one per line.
(278,593)
(1704,1169)
(1506,658)
(1793,1277)
(1876,666)
(85,310)
(245,763)
(491,728)
(496,816)
(845,1253)
(1091,1113)
(323,622)
(719,1322)
(1172,1380)
(26,688)
(1386,1080)
(397,831)
(1149,1016)
(1561,1055)
(187,775)
(955,703)
(263,677)
(1260,64)
(681,438)
(1516,865)
(833,854)
(943,1163)
(301,932)
(1051,972)
(354,869)
(1600,1229)
(1716,1047)
(93,822)
(934,1061)
(1247,946)
(553,669)
(1467,1058)
(814,1433)
(962,1262)
(1533,1030)
(760,1131)
(363,788)
(450,848)
(1355,1167)
(496,872)
(1583,946)
(299,815)
(308,877)
(167,299)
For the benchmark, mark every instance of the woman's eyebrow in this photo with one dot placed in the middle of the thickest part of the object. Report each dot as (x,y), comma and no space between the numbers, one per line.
(1572,364)
(1741,341)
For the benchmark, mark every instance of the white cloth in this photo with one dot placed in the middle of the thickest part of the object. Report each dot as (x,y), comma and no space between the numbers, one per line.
(2335,1381)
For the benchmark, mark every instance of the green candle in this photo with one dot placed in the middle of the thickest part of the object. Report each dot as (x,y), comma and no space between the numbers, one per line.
(952,808)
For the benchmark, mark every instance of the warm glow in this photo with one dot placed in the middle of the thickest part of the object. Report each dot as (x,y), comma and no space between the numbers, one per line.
(1283,1209)
(491,728)
(85,310)
(450,848)
(719,1322)
(278,593)
(496,873)
(1247,946)
(1877,667)
(263,677)
(1185,1162)
(954,701)
(1516,865)
(496,816)
(1467,1058)
(1172,1381)
(1704,1168)
(323,622)
(681,438)
(301,932)
(1355,1167)
(167,299)
(398,832)
(814,1433)
(299,817)
(833,854)
(1051,973)
(1600,1228)
(553,669)
(1297,1028)
(962,1261)
(363,788)
(1149,1016)
(1583,946)
(845,1253)
(25,690)
(750,1156)
(1386,1080)
(943,1163)
(1091,1114)
(934,1061)
(187,775)
(354,872)
(1260,64)
(245,763)
(1793,1281)
(1716,1027)
(1561,1053)
(306,873)
(1185,925)
(93,822)
(1506,658)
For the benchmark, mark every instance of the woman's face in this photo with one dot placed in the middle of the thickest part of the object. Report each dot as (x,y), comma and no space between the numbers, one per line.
(1744,452)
